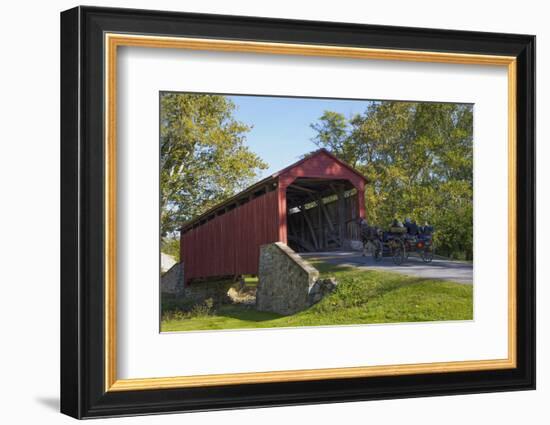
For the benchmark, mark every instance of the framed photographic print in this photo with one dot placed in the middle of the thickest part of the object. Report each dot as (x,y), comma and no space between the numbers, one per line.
(261,212)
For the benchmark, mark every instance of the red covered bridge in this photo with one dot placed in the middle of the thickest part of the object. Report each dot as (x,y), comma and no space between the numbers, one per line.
(312,205)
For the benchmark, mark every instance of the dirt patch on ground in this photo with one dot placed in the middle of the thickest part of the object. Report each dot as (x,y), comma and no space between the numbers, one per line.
(245,296)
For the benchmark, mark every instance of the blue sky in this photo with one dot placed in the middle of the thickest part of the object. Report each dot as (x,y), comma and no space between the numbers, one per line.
(281,131)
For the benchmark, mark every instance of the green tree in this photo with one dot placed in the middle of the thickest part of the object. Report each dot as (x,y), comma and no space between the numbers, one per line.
(203,157)
(419,160)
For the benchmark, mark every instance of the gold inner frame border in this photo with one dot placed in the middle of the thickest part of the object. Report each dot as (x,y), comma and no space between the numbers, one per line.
(113,40)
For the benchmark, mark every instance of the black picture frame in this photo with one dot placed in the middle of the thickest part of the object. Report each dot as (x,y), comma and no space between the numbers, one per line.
(82,212)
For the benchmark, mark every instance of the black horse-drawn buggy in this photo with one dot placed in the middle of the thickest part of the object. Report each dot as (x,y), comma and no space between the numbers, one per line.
(399,241)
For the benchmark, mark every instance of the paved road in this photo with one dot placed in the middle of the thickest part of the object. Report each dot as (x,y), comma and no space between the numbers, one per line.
(456,271)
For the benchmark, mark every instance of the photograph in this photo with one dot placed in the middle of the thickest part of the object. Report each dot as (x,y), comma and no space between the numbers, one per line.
(288,212)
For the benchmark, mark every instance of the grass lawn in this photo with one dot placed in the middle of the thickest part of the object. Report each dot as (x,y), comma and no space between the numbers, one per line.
(361,297)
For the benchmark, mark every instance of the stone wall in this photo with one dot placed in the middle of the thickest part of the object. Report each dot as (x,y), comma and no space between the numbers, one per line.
(171,281)
(320,289)
(166,262)
(285,280)
(199,292)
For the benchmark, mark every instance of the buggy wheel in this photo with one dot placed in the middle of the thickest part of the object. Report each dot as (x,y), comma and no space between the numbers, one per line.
(377,251)
(428,254)
(399,252)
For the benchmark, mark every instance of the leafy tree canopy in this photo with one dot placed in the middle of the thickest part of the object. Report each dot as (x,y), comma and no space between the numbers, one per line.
(419,160)
(203,157)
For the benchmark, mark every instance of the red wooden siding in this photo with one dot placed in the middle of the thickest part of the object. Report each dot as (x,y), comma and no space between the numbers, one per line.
(229,244)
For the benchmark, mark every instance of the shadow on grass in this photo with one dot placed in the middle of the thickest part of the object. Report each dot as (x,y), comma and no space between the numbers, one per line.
(246,313)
